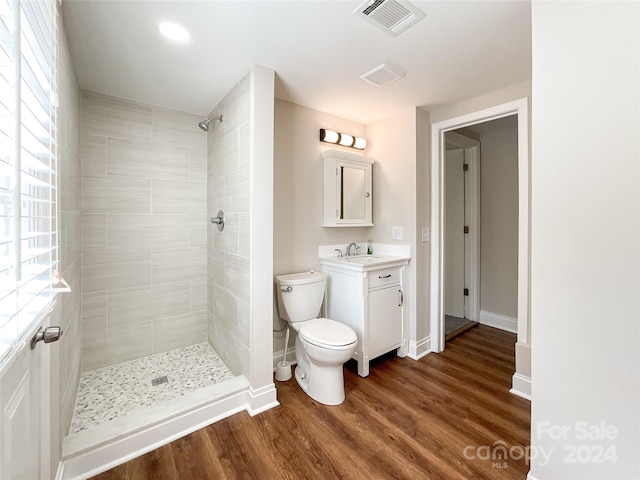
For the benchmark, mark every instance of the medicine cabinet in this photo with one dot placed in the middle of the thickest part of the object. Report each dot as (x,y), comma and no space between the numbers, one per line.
(348,195)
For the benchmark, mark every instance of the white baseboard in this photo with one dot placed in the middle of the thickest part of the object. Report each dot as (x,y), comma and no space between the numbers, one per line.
(496,320)
(262,399)
(80,462)
(521,386)
(419,349)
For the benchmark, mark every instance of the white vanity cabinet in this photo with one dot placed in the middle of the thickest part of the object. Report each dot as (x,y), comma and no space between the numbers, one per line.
(369,298)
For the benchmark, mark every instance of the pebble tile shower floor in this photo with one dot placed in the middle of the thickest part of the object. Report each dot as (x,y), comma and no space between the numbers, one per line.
(111,392)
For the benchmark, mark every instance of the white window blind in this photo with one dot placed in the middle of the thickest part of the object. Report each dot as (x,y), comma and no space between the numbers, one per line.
(28,164)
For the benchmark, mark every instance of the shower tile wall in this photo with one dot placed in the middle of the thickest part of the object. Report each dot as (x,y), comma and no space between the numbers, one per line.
(144,228)
(228,254)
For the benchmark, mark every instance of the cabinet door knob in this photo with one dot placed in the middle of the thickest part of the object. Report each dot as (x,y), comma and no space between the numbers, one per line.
(401,298)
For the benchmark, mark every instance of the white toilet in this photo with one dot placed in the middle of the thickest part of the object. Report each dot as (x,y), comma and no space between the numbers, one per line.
(323,345)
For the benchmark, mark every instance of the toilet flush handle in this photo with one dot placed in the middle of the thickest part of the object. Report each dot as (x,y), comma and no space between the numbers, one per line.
(288,288)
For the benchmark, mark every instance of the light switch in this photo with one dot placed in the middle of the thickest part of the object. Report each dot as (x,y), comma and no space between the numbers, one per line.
(397,233)
(426,234)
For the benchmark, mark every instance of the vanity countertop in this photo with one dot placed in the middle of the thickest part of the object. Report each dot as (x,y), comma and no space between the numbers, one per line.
(364,263)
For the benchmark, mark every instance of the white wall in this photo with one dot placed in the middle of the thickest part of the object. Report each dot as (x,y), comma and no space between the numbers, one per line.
(499,216)
(400,144)
(298,194)
(454,253)
(423,214)
(261,160)
(463,107)
(298,187)
(585,235)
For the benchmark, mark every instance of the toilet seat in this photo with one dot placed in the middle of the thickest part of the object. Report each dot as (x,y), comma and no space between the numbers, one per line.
(327,333)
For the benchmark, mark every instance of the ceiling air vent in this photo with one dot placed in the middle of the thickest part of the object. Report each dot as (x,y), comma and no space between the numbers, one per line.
(383,74)
(391,16)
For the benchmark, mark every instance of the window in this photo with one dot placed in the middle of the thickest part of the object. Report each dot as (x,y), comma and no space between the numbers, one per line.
(28,164)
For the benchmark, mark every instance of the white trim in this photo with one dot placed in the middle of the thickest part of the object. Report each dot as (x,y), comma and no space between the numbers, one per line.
(419,349)
(496,320)
(261,104)
(355,157)
(521,386)
(519,108)
(87,462)
(262,399)
(524,223)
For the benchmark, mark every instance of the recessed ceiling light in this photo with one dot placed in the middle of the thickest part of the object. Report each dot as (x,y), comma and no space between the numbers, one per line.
(174,32)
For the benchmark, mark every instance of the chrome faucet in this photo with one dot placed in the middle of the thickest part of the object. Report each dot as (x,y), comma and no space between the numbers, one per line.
(355,246)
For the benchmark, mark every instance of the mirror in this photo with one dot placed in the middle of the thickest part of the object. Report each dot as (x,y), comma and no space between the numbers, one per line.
(347,189)
(352,192)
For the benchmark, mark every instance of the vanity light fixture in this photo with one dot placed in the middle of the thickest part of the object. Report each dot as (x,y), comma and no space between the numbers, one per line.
(329,136)
(346,140)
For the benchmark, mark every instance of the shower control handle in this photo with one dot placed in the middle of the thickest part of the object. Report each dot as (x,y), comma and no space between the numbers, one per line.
(219,220)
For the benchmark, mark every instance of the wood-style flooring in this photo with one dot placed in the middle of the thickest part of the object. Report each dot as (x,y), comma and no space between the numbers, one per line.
(407,420)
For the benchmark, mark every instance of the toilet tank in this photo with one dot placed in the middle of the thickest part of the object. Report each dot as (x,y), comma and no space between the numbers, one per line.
(300,295)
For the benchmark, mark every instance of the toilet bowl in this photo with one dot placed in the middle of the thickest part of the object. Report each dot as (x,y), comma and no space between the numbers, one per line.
(323,345)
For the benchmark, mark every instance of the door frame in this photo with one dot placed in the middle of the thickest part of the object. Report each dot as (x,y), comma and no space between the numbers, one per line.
(471,149)
(517,107)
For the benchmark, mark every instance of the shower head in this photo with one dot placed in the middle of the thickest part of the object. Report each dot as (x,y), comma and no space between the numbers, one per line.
(204,125)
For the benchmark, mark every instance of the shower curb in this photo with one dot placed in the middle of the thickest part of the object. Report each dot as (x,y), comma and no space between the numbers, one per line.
(87,462)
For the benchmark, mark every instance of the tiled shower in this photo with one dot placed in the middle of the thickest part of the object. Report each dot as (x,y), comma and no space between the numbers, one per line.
(159,281)
(144,231)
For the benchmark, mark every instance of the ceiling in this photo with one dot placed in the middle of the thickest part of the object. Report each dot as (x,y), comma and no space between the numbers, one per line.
(318,50)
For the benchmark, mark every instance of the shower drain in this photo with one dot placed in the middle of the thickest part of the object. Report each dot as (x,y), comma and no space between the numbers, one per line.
(158,381)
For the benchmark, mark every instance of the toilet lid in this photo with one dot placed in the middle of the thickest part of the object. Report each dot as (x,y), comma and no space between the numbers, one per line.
(323,331)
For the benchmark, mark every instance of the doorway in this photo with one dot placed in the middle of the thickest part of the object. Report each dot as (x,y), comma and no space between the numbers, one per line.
(438,130)
(461,233)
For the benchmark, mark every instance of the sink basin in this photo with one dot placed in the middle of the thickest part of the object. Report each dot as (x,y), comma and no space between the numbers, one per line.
(362,259)
(363,263)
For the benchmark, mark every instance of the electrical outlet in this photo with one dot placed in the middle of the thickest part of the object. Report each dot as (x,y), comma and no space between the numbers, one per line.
(426,234)
(397,233)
